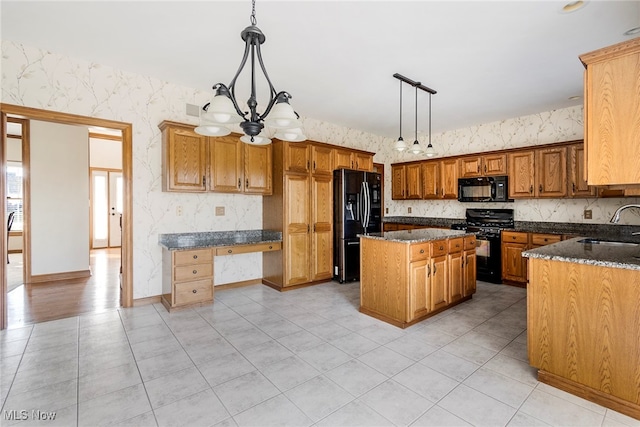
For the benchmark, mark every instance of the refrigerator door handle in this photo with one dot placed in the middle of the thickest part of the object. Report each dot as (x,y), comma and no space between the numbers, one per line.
(362,206)
(367,205)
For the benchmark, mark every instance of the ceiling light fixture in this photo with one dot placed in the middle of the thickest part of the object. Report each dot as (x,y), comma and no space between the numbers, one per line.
(400,144)
(224,110)
(574,98)
(415,148)
(573,6)
(632,32)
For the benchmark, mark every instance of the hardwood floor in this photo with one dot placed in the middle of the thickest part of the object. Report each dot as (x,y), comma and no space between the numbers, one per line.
(55,300)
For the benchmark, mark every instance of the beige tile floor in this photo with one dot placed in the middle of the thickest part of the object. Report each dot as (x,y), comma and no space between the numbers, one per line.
(258,357)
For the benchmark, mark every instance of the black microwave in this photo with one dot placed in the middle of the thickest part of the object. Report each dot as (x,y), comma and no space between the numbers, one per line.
(484,189)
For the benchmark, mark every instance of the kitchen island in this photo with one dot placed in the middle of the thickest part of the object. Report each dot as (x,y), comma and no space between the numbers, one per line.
(583,320)
(407,276)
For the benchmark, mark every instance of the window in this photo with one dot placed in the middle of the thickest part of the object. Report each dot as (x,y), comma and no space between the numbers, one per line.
(14,194)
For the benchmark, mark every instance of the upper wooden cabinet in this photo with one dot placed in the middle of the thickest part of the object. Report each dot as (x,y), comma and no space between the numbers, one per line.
(184,163)
(322,159)
(431,179)
(551,172)
(612,114)
(578,186)
(521,174)
(297,157)
(414,181)
(350,159)
(196,163)
(398,180)
(364,162)
(489,165)
(342,159)
(449,178)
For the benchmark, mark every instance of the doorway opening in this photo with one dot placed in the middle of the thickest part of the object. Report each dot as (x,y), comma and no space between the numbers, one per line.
(111,262)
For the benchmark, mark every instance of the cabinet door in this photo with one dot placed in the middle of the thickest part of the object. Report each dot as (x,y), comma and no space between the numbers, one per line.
(612,140)
(521,171)
(469,267)
(414,181)
(343,159)
(419,298)
(470,167)
(456,276)
(398,182)
(185,160)
(322,232)
(551,172)
(494,164)
(321,160)
(439,283)
(449,179)
(514,266)
(364,162)
(257,169)
(296,157)
(296,233)
(578,186)
(431,180)
(225,165)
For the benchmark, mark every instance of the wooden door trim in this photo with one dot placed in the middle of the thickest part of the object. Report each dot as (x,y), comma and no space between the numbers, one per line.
(127,175)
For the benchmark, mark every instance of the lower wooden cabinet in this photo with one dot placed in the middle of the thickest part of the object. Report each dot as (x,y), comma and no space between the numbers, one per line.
(403,283)
(514,265)
(187,277)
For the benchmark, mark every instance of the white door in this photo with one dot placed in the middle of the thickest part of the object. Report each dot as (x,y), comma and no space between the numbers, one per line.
(115,209)
(106,208)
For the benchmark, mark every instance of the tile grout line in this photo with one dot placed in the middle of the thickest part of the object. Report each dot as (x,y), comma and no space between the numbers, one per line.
(17,368)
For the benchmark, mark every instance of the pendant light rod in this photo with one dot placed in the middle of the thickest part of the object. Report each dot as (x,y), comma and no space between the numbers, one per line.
(416,109)
(401,110)
(415,84)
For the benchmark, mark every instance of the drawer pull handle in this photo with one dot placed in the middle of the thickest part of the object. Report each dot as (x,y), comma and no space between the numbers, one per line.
(457,246)
(270,247)
(230,251)
(195,271)
(195,257)
(421,251)
(513,237)
(441,247)
(546,240)
(194,291)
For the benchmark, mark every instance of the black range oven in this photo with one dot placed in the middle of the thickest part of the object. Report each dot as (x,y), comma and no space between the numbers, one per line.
(487,225)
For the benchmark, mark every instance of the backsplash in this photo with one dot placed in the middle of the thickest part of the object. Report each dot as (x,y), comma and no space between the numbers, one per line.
(37,78)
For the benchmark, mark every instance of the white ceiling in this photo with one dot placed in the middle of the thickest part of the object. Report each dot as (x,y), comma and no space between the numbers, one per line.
(488,60)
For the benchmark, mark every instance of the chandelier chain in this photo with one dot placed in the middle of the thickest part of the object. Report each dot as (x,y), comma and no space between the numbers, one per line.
(254,21)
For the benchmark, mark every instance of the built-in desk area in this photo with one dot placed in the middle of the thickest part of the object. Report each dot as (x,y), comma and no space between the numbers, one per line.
(187,261)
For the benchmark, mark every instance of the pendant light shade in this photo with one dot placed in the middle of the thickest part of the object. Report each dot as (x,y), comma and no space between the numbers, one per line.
(259,139)
(282,116)
(291,135)
(212,130)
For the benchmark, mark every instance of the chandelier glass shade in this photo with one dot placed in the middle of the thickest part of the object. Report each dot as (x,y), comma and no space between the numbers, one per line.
(224,111)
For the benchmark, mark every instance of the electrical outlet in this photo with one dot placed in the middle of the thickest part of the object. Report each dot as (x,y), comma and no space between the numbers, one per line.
(178,210)
(409,210)
(219,210)
(588,214)
(386,210)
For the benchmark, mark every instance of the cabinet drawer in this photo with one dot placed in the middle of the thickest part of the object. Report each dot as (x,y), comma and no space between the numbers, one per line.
(191,272)
(192,257)
(419,251)
(545,239)
(514,236)
(469,243)
(456,244)
(243,249)
(439,247)
(193,292)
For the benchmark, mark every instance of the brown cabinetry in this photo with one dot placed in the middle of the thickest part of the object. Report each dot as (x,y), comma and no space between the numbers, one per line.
(577,175)
(398,182)
(469,266)
(187,277)
(521,174)
(456,269)
(489,165)
(196,163)
(514,265)
(322,159)
(431,179)
(551,172)
(414,181)
(342,159)
(364,162)
(611,106)
(184,163)
(449,178)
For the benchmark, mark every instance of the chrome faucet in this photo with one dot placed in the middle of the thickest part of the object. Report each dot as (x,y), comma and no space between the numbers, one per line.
(616,216)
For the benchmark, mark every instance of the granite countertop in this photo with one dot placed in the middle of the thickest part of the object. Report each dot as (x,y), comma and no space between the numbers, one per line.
(590,253)
(419,220)
(208,239)
(416,236)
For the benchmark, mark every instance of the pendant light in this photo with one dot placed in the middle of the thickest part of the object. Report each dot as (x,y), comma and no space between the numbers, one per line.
(430,151)
(415,147)
(400,144)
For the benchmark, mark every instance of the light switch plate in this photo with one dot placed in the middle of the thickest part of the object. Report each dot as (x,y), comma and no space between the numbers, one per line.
(409,210)
(219,210)
(193,110)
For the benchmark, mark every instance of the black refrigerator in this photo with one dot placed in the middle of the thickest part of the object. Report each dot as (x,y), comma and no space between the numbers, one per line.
(357,209)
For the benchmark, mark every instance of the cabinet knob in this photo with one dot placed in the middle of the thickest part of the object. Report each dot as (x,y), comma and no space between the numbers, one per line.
(457,246)
(441,247)
(546,240)
(513,237)
(230,251)
(195,271)
(194,291)
(195,257)
(270,247)
(421,251)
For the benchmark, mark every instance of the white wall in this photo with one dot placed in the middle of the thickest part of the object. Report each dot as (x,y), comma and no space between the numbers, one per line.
(14,149)
(105,153)
(59,198)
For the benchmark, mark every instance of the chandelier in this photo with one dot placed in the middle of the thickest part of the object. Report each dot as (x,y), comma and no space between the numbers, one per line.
(400,144)
(224,110)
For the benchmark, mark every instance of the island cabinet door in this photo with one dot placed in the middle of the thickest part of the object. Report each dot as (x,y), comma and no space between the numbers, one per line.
(439,282)
(420,292)
(456,276)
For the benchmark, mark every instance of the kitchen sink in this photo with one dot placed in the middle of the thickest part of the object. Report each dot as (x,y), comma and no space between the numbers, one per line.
(608,242)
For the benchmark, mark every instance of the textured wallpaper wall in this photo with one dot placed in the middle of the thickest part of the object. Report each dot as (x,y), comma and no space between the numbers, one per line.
(40,79)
